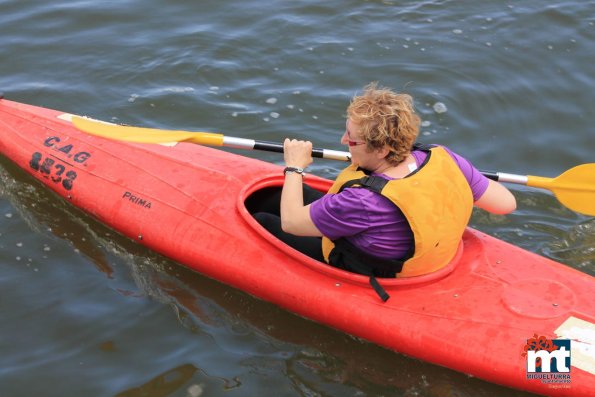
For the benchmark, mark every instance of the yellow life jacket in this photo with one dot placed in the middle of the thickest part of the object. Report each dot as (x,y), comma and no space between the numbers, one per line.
(436,200)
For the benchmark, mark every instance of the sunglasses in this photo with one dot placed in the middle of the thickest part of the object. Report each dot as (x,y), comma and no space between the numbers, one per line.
(354,143)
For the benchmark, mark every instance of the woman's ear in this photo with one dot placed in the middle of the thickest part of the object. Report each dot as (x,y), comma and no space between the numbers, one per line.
(382,152)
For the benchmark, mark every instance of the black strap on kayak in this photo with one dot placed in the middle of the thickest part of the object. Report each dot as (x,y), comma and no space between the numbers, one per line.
(348,257)
(381,292)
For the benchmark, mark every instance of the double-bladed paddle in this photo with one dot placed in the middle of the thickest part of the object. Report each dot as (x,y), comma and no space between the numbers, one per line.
(151,135)
(574,188)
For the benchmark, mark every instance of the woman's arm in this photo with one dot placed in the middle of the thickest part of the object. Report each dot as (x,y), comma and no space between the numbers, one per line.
(497,199)
(295,217)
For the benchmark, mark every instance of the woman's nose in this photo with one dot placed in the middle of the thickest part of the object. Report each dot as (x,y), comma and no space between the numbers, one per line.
(344,138)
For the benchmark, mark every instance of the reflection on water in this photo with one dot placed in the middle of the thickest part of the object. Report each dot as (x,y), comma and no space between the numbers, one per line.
(576,246)
(184,378)
(28,201)
(164,384)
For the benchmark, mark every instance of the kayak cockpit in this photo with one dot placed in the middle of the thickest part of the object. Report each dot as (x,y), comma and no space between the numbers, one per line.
(264,191)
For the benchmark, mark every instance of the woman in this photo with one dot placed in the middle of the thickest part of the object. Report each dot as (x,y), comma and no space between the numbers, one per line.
(398,209)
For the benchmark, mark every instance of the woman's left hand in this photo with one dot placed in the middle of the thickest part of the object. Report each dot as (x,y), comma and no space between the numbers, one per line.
(297,153)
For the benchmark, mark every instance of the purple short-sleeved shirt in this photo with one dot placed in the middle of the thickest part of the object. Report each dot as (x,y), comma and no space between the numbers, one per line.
(372,222)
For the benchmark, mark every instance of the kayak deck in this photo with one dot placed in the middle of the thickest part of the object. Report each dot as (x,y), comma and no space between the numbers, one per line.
(188,202)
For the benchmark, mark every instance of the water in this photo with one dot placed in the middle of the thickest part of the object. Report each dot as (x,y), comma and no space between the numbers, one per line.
(88,312)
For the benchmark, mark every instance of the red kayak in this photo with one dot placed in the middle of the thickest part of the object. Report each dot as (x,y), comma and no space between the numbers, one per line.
(497,312)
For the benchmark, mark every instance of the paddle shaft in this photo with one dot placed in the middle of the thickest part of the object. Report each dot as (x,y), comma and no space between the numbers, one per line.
(506,178)
(241,143)
(151,135)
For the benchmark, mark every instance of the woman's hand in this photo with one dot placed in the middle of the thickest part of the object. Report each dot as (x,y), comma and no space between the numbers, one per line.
(297,153)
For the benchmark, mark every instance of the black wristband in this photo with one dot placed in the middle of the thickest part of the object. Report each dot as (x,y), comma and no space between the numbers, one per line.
(294,169)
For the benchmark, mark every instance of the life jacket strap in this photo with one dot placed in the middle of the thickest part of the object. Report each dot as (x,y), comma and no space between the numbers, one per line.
(347,257)
(381,292)
(373,183)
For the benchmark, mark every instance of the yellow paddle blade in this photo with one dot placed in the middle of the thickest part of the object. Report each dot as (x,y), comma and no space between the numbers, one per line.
(574,188)
(144,135)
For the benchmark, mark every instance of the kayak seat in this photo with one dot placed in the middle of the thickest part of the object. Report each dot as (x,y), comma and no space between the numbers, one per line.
(267,200)
(264,206)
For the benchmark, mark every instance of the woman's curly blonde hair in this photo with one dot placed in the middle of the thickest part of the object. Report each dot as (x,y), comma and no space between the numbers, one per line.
(385,118)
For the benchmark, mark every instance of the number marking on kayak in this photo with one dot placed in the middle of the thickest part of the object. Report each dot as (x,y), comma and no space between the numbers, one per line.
(53,169)
(57,167)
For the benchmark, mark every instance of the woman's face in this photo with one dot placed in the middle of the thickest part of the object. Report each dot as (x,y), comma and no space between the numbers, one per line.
(357,145)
